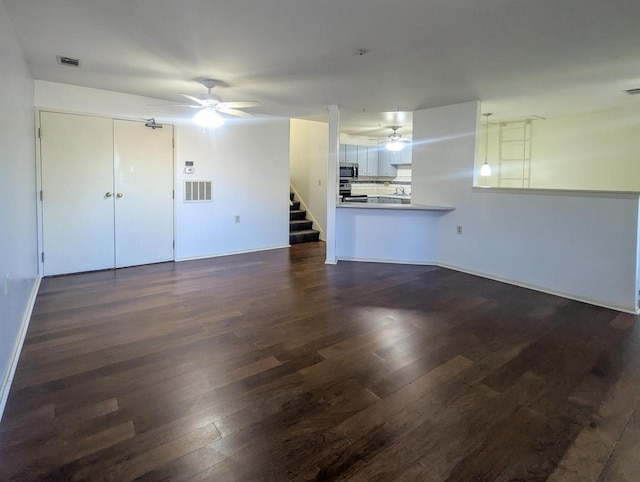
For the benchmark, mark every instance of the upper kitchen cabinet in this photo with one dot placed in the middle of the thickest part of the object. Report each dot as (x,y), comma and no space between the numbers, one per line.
(350,153)
(402,158)
(368,161)
(385,167)
(372,161)
(365,156)
(363,168)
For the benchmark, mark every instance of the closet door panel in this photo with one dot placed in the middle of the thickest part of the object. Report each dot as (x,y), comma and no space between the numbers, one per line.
(77,184)
(143,166)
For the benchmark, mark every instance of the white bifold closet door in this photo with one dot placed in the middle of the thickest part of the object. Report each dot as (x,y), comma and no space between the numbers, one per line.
(143,168)
(107,190)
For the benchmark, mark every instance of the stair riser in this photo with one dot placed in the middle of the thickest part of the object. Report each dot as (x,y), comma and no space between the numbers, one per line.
(303,238)
(295,206)
(294,216)
(300,226)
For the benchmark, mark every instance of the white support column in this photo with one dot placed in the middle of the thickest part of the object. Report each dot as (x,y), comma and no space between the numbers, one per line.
(332,182)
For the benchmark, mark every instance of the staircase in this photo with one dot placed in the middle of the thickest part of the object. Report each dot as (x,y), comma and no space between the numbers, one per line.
(300,228)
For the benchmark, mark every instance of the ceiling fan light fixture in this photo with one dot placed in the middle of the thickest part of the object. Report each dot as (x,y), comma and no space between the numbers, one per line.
(208,117)
(394,146)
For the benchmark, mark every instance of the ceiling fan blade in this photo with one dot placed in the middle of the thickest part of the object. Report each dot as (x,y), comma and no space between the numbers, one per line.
(195,99)
(239,104)
(405,140)
(236,112)
(176,105)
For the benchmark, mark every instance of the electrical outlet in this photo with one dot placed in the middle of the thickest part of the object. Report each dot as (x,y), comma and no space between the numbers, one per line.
(237,218)
(459,230)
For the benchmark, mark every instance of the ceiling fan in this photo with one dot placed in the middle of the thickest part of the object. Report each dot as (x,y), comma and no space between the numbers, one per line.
(395,141)
(209,106)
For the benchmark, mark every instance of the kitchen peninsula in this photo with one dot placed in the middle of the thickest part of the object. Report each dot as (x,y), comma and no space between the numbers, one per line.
(393,207)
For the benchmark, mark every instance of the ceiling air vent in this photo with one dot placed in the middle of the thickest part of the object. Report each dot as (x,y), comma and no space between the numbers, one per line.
(68,61)
(632,91)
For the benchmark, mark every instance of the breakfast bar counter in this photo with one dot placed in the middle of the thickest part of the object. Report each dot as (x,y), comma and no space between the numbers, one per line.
(393,207)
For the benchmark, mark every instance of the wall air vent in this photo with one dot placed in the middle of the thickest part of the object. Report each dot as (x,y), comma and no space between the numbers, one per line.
(68,61)
(197,191)
(632,91)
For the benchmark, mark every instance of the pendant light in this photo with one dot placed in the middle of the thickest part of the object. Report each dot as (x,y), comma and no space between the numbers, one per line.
(485,170)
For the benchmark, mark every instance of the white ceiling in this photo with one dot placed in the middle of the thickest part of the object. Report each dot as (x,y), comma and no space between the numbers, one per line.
(519,57)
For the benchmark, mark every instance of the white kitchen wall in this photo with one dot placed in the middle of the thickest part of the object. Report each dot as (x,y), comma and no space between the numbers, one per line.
(247,160)
(580,245)
(308,167)
(589,151)
(18,249)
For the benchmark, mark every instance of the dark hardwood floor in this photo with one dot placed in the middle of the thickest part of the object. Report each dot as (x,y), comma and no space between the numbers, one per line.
(275,366)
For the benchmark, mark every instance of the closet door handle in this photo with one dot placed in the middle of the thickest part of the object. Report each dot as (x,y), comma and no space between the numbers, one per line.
(108,194)
(119,194)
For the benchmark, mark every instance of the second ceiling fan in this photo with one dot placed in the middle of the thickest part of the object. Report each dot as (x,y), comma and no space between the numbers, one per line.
(395,142)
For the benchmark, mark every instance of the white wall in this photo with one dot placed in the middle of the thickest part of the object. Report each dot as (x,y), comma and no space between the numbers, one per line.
(247,160)
(249,166)
(580,245)
(308,167)
(18,250)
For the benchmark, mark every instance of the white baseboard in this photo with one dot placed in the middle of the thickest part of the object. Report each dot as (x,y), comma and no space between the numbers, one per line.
(218,255)
(390,261)
(24,326)
(571,296)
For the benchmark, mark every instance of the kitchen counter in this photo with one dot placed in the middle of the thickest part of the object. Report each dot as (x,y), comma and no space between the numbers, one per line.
(394,207)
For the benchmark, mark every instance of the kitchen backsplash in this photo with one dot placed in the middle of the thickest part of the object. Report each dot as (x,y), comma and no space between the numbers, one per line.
(374,188)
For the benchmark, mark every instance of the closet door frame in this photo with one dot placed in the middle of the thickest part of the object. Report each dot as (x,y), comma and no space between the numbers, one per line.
(38,180)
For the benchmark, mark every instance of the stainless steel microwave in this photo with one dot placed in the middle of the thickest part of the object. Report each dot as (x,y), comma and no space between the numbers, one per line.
(348,170)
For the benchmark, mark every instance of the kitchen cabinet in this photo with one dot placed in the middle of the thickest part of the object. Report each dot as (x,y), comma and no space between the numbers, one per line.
(372,161)
(363,167)
(402,158)
(365,156)
(368,161)
(383,200)
(342,153)
(385,166)
(351,153)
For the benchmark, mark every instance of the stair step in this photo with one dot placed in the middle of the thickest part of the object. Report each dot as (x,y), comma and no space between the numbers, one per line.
(295,206)
(300,225)
(304,236)
(291,196)
(295,214)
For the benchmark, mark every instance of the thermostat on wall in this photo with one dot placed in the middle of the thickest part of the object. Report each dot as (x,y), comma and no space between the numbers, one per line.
(188,167)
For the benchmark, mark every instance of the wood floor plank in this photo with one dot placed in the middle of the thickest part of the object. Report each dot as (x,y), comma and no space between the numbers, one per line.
(276,366)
